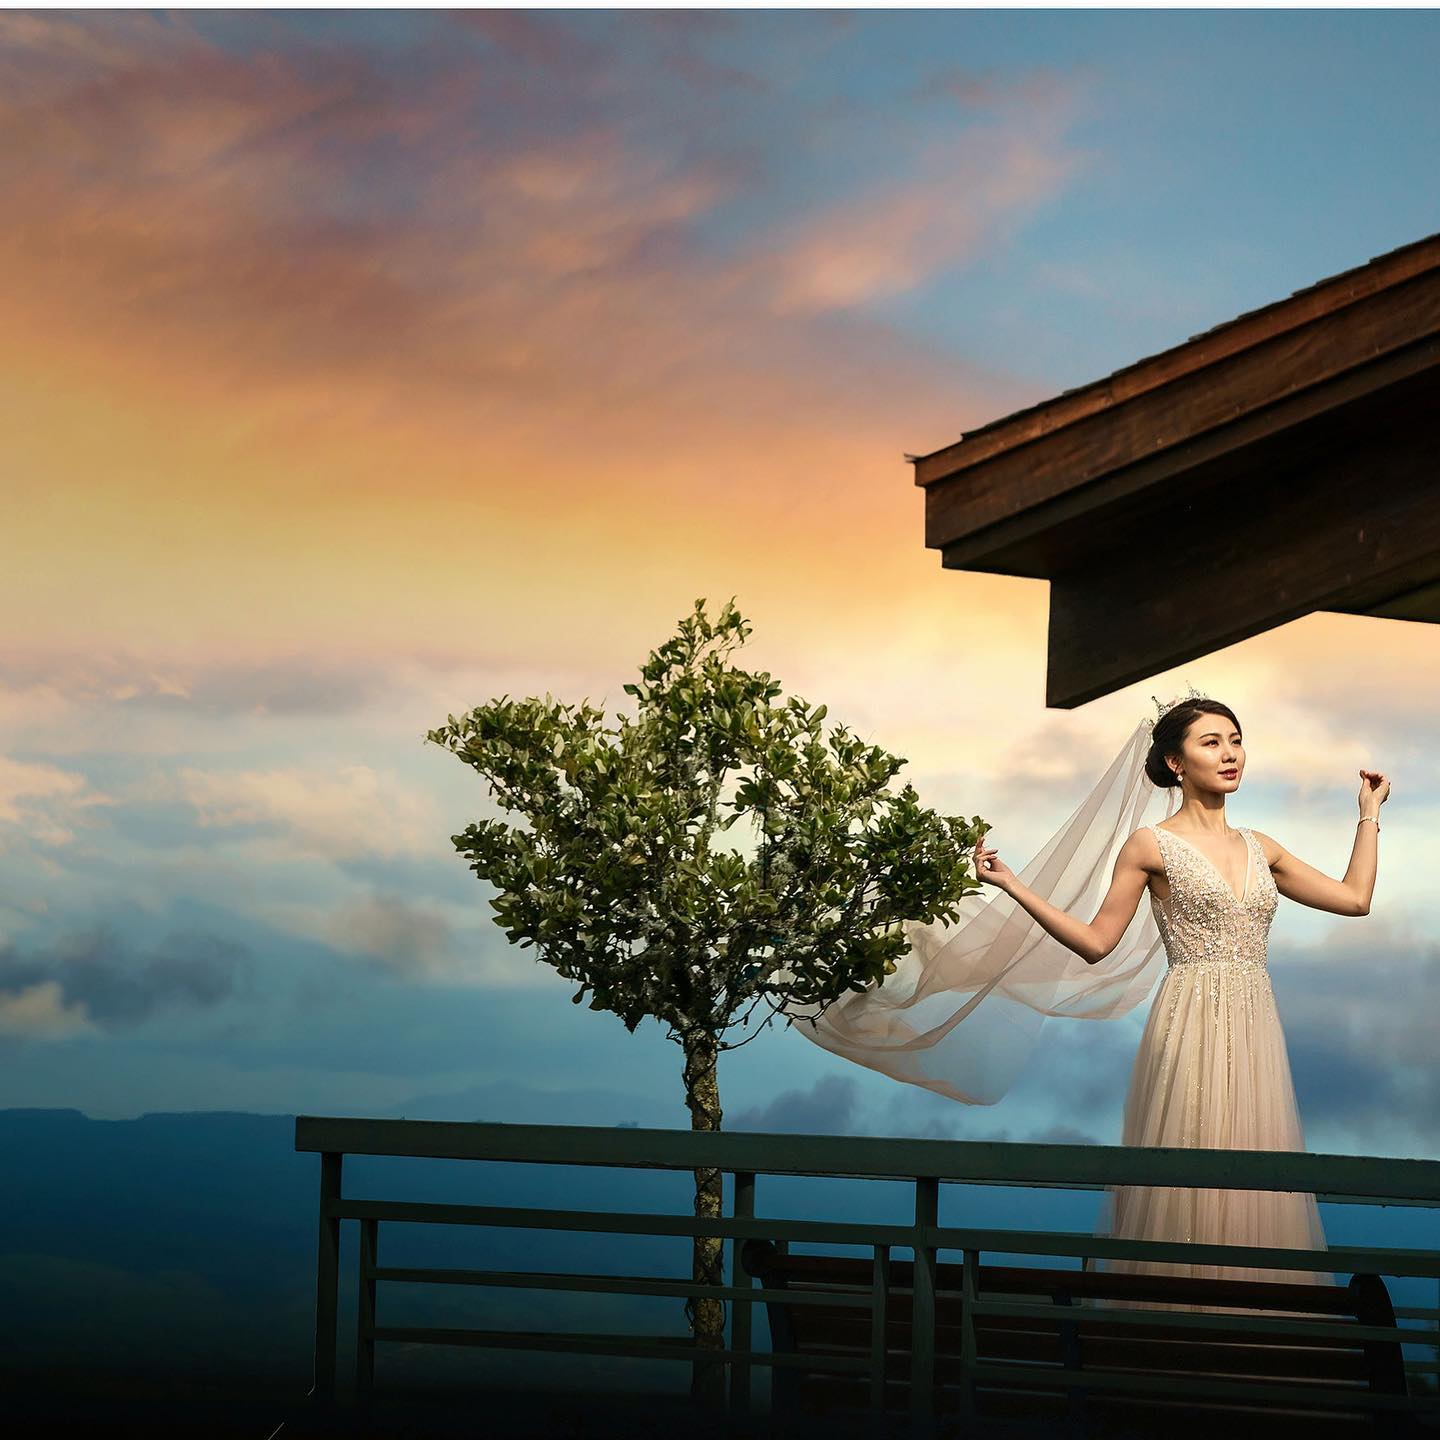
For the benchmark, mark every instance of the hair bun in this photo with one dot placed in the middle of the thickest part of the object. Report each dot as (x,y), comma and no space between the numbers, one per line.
(1159,772)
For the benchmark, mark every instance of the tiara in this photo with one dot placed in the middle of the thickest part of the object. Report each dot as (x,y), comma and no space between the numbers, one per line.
(1161,707)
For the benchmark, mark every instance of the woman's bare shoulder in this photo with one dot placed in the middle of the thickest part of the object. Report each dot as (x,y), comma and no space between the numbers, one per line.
(1143,848)
(1272,849)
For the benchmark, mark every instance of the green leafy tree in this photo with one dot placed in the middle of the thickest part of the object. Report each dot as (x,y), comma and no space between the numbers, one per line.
(617,880)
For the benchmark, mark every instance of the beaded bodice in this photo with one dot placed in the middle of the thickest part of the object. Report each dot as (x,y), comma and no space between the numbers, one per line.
(1204,921)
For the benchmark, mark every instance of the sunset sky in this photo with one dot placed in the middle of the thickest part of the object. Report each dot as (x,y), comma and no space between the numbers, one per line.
(360,367)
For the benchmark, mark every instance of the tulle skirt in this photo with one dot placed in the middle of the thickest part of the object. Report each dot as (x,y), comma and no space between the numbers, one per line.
(1212,1071)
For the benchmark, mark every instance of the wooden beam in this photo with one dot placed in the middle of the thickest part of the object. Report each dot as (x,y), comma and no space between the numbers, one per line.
(1421,604)
(1035,543)
(1344,517)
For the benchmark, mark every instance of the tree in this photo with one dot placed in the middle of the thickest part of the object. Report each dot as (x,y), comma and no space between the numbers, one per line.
(618,886)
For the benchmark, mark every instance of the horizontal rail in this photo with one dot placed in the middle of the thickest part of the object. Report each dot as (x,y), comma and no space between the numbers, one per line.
(1182,1320)
(611,1285)
(621,1222)
(1344,1259)
(1366,1178)
(659,1285)
(1058,1378)
(863,1300)
(656,1347)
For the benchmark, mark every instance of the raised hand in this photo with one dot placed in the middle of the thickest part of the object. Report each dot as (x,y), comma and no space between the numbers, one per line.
(990,868)
(1374,791)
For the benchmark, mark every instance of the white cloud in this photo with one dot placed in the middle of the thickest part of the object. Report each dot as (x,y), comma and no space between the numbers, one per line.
(441,944)
(44,801)
(350,812)
(39,1012)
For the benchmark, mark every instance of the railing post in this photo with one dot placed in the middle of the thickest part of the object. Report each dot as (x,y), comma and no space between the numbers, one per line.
(879,1331)
(742,1311)
(922,1308)
(327,1276)
(969,1294)
(365,1308)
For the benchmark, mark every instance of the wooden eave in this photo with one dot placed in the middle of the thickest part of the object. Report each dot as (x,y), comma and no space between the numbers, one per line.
(1262,443)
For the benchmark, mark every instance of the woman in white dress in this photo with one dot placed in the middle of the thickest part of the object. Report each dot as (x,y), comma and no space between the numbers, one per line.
(1212,1068)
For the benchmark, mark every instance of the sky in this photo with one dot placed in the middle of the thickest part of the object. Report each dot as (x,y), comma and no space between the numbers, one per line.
(360,367)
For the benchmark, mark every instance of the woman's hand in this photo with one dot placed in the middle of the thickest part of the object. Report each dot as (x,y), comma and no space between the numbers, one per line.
(990,868)
(1374,791)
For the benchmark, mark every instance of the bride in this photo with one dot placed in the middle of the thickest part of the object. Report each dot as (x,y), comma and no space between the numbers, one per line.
(1212,1068)
(963,1009)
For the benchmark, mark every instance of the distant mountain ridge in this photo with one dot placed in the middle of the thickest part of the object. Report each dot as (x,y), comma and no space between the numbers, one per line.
(186,1242)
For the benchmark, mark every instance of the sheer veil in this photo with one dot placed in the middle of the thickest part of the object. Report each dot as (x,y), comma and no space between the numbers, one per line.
(964,1007)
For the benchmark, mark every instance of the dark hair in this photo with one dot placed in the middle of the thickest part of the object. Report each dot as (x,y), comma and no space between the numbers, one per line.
(1170,730)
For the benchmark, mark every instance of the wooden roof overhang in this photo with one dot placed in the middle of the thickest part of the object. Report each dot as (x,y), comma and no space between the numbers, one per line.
(1283,462)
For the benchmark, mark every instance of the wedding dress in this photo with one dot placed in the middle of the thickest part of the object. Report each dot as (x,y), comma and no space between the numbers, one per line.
(1212,1070)
(963,1011)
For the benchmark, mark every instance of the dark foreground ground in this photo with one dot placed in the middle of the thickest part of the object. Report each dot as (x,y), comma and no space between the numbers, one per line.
(491,1415)
(71,1404)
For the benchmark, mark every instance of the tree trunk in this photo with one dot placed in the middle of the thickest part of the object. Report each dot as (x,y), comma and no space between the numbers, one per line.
(707,1316)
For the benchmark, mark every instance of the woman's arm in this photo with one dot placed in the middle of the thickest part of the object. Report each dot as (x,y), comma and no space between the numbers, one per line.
(1296,880)
(1351,896)
(1092,942)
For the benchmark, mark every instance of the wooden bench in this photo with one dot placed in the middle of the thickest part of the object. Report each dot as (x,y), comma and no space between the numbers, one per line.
(1090,1375)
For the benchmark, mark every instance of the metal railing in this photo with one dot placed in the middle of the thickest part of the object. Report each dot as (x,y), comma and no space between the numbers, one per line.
(924,1164)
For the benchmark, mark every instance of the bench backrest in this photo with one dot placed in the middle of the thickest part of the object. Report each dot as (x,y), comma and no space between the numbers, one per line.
(1049,1345)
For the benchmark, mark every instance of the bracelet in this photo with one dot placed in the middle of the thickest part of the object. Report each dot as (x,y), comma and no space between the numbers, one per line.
(1372,818)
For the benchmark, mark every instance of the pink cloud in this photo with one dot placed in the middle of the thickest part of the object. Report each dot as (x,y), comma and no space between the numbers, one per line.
(317,230)
(964,197)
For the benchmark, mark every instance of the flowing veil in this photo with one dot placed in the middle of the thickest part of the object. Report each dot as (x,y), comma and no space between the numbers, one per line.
(964,1007)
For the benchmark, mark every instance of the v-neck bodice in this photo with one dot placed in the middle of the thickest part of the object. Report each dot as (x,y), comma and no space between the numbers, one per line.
(1249,861)
(1204,920)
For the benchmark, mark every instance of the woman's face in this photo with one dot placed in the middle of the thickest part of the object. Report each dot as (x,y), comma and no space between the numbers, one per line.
(1212,755)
